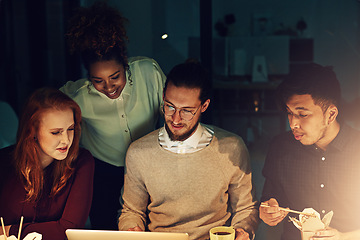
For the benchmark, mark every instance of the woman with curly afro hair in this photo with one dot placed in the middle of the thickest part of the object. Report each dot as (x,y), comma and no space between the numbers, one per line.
(120,101)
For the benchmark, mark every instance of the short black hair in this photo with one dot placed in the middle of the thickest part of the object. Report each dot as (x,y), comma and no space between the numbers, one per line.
(190,74)
(318,81)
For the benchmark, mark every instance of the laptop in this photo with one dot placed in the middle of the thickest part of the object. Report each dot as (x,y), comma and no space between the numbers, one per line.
(83,234)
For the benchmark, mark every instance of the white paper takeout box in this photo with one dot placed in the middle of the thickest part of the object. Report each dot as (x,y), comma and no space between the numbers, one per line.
(12,237)
(30,236)
(312,223)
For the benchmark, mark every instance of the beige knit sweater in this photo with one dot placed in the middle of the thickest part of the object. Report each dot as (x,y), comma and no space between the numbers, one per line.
(191,193)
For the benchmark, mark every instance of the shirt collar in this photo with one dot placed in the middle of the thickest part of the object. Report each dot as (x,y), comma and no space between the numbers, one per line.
(192,141)
(342,138)
(127,89)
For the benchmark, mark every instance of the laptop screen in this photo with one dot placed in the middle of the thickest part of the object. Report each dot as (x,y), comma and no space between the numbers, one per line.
(78,234)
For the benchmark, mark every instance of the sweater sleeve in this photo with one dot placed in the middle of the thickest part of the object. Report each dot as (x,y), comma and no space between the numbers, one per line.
(77,205)
(242,194)
(135,197)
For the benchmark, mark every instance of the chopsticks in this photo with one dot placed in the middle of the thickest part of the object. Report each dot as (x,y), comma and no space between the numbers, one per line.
(3,228)
(20,227)
(289,210)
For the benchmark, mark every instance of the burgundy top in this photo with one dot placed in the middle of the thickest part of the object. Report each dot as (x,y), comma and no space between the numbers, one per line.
(50,216)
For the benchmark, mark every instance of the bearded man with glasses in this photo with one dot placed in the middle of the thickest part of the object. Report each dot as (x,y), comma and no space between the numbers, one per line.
(187,176)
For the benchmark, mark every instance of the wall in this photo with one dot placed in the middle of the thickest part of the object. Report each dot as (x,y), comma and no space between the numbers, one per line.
(332,23)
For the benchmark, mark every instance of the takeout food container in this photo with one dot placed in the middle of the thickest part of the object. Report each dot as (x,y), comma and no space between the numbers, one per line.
(12,237)
(308,225)
(30,236)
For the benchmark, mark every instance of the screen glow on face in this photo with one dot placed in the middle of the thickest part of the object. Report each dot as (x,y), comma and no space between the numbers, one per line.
(55,135)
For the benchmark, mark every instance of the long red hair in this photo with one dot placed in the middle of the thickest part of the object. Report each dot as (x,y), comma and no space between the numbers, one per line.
(27,150)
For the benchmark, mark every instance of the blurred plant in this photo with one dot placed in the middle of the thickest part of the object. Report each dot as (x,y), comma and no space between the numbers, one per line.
(284,30)
(223,26)
(301,26)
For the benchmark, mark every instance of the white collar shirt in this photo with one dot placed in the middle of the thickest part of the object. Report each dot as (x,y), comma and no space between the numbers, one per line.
(110,125)
(197,141)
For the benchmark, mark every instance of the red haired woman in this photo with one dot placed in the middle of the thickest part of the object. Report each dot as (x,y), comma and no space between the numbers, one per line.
(46,177)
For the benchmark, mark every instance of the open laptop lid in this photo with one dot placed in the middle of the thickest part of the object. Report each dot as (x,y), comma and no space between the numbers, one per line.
(78,234)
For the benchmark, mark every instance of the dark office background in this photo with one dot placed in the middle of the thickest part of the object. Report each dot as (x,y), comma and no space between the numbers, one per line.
(224,34)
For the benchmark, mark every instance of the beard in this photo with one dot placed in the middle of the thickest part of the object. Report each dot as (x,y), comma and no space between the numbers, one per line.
(314,139)
(182,137)
(323,132)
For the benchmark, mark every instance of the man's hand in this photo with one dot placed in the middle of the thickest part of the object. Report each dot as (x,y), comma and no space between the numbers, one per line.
(271,215)
(7,230)
(240,234)
(328,234)
(136,229)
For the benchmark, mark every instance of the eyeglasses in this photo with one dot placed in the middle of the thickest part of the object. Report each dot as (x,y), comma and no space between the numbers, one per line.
(185,114)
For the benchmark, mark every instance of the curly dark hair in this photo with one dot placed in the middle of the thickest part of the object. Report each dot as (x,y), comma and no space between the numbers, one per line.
(98,34)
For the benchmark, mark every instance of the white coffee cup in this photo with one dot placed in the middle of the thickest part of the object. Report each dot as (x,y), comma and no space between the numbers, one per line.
(222,233)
